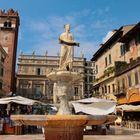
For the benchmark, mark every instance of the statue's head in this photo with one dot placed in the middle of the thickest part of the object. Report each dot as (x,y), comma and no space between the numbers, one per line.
(67,27)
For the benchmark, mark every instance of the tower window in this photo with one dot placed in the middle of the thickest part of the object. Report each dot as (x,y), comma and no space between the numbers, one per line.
(7,24)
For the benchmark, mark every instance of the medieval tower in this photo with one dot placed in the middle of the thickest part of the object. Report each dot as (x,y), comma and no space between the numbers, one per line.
(9,25)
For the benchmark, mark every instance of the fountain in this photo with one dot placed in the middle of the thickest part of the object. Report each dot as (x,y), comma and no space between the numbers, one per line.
(64,125)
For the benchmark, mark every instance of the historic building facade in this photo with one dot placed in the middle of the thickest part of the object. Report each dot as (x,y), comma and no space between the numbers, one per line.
(117,66)
(127,74)
(105,58)
(2,59)
(9,24)
(32,78)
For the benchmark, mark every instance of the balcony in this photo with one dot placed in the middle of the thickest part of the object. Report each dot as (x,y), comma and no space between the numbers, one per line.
(120,92)
(108,73)
(122,66)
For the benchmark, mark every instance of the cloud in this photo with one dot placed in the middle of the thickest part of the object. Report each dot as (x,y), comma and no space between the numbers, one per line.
(45,32)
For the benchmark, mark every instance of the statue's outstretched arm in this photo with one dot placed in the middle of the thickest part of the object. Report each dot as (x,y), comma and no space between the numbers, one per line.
(72,43)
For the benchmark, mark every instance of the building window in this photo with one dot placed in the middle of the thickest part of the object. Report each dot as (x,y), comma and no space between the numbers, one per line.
(38,71)
(94,78)
(93,64)
(38,90)
(96,68)
(76,91)
(113,87)
(122,49)
(118,86)
(108,89)
(90,79)
(136,78)
(110,59)
(123,83)
(129,81)
(26,69)
(0,85)
(105,89)
(105,61)
(1,72)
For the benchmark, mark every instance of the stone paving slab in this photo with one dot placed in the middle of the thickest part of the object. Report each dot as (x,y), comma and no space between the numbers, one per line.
(95,137)
(115,133)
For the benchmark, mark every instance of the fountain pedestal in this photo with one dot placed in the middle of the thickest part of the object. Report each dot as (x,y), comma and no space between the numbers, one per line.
(65,127)
(63,88)
(64,133)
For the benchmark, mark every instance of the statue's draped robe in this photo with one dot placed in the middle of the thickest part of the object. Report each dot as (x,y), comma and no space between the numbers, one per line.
(66,53)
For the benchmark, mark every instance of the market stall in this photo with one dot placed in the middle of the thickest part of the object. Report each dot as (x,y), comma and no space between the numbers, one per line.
(14,105)
(130,115)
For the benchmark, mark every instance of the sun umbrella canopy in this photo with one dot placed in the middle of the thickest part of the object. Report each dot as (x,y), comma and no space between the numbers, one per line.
(126,107)
(19,100)
(94,106)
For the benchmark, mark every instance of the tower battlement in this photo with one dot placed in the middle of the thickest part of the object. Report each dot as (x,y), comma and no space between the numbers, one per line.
(9,12)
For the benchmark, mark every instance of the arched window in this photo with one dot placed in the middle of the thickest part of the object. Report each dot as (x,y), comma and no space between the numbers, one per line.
(5,24)
(9,24)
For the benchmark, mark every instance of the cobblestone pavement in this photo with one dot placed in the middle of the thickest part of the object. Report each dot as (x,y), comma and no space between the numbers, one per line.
(115,133)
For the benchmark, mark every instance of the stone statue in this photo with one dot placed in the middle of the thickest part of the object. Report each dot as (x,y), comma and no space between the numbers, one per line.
(67,49)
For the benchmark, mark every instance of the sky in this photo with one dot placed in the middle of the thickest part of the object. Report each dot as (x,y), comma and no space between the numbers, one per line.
(42,21)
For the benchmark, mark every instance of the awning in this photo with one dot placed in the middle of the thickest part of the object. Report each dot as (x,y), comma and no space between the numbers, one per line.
(19,100)
(94,106)
(129,107)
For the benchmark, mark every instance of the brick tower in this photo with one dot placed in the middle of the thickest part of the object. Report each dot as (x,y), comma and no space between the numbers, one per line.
(9,24)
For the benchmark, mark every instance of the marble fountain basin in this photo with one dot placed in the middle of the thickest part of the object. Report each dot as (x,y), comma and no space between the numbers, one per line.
(64,76)
(63,127)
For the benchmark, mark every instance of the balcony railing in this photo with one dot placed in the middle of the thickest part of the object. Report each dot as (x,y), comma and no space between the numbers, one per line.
(120,92)
(122,66)
(109,72)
